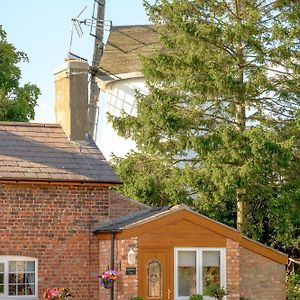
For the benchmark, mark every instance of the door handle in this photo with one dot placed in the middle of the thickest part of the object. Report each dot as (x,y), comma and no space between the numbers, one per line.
(169,293)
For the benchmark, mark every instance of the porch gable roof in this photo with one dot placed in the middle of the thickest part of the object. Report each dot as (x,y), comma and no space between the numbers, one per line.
(146,220)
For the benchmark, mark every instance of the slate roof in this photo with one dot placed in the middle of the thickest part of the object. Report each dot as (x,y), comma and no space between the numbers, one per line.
(31,151)
(125,43)
(120,223)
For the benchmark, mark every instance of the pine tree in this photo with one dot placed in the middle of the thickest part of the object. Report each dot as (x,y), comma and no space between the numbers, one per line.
(210,132)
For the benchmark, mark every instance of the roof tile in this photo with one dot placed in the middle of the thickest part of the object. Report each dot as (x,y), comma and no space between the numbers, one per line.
(43,151)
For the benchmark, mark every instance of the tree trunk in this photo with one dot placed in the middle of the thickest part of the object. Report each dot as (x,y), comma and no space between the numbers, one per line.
(240,118)
(240,210)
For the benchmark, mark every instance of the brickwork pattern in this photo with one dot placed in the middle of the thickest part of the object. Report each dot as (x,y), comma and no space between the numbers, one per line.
(54,224)
(233,269)
(116,210)
(260,277)
(126,286)
(104,264)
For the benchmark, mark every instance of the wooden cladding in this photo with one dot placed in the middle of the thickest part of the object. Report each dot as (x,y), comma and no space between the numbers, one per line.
(182,233)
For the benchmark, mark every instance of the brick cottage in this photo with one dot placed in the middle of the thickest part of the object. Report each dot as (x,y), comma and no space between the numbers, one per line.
(62,226)
(52,193)
(54,188)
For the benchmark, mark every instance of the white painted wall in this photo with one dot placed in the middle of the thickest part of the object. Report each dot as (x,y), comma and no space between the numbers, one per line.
(120,95)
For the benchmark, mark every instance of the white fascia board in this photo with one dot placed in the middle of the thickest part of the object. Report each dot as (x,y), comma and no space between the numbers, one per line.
(104,81)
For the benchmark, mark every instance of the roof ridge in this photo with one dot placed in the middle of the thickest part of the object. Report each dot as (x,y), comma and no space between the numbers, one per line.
(115,27)
(26,124)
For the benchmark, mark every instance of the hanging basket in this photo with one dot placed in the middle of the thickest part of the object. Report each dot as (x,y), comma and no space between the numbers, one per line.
(107,283)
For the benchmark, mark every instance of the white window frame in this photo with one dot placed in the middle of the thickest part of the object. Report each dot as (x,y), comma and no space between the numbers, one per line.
(199,280)
(6,259)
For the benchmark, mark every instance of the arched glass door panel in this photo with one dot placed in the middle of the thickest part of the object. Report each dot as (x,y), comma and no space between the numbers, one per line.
(154,280)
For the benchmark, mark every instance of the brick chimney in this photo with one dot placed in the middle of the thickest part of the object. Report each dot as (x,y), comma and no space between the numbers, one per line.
(71,98)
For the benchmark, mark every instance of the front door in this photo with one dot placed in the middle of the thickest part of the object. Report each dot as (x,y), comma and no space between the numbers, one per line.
(156,274)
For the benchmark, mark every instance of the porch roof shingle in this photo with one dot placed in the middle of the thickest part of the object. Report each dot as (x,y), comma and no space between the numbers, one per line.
(118,224)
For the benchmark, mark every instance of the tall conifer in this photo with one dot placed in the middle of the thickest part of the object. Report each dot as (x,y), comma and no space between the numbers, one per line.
(222,90)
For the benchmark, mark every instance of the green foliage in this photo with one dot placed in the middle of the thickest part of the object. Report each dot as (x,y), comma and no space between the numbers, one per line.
(293,286)
(137,298)
(220,121)
(214,290)
(196,297)
(16,103)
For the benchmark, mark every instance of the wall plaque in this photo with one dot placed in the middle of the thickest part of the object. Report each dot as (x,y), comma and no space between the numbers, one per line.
(130,271)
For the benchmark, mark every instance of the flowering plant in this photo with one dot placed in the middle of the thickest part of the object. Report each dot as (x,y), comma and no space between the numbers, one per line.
(55,293)
(109,275)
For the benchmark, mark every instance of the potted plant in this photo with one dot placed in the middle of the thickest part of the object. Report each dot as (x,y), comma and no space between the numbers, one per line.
(215,290)
(196,297)
(55,294)
(108,278)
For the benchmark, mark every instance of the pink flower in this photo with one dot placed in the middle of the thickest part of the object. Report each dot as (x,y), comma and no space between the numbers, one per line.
(54,292)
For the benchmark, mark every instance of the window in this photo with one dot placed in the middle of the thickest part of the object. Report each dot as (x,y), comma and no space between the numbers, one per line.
(154,280)
(195,267)
(18,277)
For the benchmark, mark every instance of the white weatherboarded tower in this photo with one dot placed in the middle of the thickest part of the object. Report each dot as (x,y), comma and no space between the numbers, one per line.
(119,77)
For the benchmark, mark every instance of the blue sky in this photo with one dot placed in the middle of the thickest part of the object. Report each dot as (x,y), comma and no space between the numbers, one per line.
(41,28)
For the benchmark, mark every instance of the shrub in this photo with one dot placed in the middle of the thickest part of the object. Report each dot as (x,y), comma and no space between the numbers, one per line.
(293,286)
(196,297)
(214,290)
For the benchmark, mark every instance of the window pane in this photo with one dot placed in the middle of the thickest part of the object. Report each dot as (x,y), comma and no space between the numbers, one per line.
(20,266)
(12,266)
(21,289)
(30,278)
(12,278)
(12,289)
(30,266)
(186,273)
(1,289)
(154,280)
(211,258)
(1,268)
(211,268)
(21,278)
(29,289)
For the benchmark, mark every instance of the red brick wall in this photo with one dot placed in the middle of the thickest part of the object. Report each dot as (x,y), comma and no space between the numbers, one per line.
(54,224)
(117,210)
(261,278)
(233,269)
(127,285)
(104,264)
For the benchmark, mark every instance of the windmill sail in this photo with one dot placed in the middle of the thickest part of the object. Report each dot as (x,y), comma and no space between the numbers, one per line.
(98,31)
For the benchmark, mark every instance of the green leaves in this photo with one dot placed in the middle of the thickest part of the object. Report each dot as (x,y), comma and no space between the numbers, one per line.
(16,103)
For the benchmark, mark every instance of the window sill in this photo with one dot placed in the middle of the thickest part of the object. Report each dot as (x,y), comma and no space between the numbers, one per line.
(18,297)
